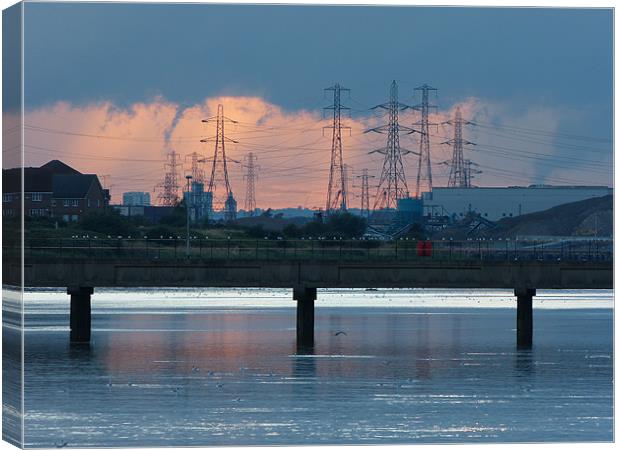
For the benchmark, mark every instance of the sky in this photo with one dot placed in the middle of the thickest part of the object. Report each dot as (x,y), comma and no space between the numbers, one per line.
(112,88)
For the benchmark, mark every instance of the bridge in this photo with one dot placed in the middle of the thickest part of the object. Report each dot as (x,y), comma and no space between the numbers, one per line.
(83,264)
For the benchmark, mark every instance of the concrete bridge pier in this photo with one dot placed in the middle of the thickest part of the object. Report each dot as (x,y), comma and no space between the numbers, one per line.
(525,322)
(305,298)
(80,313)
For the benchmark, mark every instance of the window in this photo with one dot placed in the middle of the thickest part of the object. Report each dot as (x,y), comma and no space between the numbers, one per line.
(38,212)
(65,217)
(70,202)
(7,198)
(88,202)
(37,197)
(53,202)
(8,212)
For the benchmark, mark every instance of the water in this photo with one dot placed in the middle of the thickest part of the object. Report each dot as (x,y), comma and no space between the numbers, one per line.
(213,366)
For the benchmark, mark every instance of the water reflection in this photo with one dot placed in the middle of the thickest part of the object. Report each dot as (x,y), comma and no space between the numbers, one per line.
(399,375)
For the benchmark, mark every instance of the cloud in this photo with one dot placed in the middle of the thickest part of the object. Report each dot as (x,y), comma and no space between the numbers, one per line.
(129,145)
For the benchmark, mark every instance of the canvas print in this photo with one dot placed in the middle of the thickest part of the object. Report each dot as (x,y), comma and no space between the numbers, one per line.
(245,224)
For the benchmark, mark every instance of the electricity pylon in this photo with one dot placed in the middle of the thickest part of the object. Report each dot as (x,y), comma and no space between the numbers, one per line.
(392,182)
(219,186)
(196,162)
(250,176)
(365,195)
(336,189)
(425,175)
(459,176)
(168,194)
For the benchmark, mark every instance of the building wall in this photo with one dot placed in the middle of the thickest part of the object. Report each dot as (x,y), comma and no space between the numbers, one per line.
(35,204)
(136,199)
(497,203)
(71,209)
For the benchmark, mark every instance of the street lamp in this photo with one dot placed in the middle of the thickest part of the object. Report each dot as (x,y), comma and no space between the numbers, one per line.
(188,177)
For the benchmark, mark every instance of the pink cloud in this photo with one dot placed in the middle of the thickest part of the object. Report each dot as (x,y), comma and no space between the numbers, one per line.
(293,148)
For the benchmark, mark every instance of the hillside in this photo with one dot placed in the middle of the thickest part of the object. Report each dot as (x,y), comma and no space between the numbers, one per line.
(584,218)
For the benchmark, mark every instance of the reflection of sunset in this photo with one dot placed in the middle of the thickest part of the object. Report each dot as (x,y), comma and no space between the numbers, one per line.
(222,344)
(293,149)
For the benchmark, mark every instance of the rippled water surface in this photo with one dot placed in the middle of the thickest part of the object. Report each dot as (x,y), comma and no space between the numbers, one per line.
(210,367)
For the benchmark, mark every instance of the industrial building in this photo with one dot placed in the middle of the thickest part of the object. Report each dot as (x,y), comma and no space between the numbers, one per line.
(200,202)
(136,199)
(496,203)
(153,213)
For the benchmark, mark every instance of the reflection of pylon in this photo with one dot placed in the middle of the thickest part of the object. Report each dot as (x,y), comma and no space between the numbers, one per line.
(336,189)
(196,162)
(169,189)
(219,186)
(392,183)
(425,175)
(250,183)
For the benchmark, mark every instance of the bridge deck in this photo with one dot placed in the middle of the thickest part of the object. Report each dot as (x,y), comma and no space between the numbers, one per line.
(62,272)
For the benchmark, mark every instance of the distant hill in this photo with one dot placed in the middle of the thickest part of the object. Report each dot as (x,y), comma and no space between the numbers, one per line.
(589,217)
(583,218)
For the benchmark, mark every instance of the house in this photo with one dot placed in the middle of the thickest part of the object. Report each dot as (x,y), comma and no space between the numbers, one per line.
(53,190)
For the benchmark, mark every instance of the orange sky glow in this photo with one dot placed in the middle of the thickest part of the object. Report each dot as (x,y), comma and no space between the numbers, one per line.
(127,147)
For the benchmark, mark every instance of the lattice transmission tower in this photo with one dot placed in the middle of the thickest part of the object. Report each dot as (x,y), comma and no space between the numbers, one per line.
(392,182)
(471,170)
(459,171)
(424,179)
(365,194)
(168,189)
(250,176)
(219,184)
(336,189)
(196,162)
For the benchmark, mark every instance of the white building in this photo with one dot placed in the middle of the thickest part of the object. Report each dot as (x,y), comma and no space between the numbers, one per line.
(136,199)
(495,203)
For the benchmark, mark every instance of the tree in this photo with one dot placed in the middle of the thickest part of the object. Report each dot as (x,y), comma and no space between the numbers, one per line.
(292,231)
(108,221)
(347,225)
(177,218)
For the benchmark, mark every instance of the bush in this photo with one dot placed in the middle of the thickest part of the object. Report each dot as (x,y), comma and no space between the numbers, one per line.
(177,218)
(346,225)
(292,231)
(107,221)
(256,231)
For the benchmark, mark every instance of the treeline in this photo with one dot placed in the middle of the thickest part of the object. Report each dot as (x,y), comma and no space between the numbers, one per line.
(110,222)
(338,225)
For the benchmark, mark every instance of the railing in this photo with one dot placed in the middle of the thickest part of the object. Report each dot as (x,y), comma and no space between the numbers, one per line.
(315,249)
